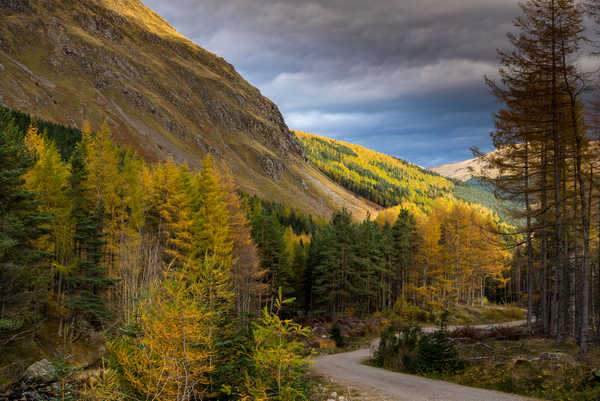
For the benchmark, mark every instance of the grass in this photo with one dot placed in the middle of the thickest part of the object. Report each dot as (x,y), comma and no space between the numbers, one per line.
(523,367)
(514,360)
(479,315)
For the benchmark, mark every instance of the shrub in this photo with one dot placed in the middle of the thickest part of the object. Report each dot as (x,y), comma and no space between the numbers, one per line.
(407,348)
(434,353)
(411,313)
(337,336)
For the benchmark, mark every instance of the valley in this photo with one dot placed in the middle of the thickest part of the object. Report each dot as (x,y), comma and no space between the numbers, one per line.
(165,235)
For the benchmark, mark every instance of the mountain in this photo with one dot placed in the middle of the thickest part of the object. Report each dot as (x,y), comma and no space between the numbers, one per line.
(464,170)
(389,181)
(116,61)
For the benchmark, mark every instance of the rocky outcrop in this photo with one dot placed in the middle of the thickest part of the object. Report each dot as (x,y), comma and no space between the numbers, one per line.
(21,6)
(42,372)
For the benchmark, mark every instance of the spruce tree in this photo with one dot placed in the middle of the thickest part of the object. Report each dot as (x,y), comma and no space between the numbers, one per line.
(88,282)
(22,271)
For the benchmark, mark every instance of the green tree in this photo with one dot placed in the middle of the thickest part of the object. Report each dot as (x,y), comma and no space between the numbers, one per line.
(278,365)
(23,267)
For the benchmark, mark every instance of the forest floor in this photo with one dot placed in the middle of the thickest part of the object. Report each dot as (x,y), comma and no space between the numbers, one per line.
(349,371)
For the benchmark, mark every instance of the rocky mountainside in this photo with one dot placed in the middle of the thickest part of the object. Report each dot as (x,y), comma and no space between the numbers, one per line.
(71,61)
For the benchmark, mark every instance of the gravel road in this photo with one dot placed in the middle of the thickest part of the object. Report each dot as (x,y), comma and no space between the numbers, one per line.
(348,369)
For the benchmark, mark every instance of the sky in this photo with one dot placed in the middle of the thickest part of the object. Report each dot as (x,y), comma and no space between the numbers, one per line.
(403,77)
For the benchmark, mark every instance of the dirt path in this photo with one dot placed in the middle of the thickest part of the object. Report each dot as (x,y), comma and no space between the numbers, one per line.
(347,369)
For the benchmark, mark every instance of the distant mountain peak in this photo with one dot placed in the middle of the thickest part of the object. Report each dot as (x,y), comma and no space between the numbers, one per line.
(464,170)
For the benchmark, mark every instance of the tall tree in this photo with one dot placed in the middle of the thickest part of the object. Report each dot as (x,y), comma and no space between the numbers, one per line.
(539,135)
(23,267)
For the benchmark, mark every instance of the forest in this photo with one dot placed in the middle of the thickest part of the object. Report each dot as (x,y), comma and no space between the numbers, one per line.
(179,286)
(390,182)
(448,257)
(192,281)
(158,258)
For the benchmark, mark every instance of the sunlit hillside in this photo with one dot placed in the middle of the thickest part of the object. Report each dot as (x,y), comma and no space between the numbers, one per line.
(389,181)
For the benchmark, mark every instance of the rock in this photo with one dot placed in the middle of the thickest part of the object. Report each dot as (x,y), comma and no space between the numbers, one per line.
(557,356)
(16,5)
(334,395)
(2,68)
(42,371)
(597,374)
(272,167)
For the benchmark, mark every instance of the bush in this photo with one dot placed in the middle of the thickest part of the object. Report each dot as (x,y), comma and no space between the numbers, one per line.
(406,348)
(435,353)
(394,343)
(337,336)
(411,313)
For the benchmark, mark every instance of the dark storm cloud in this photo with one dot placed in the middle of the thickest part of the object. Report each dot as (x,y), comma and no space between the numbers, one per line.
(400,76)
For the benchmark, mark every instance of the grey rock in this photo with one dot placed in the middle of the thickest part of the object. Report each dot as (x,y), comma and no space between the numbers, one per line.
(557,356)
(273,167)
(42,371)
(20,6)
(2,68)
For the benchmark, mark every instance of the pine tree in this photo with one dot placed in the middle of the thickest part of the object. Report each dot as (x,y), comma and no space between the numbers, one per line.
(404,243)
(89,279)
(23,267)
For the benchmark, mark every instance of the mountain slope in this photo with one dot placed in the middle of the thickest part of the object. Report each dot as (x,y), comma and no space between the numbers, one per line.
(72,61)
(464,170)
(389,181)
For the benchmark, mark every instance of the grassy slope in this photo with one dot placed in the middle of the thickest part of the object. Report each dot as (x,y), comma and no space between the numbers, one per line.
(387,180)
(119,62)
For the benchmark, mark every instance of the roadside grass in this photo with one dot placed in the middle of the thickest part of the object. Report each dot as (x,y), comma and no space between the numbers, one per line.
(513,360)
(487,314)
(325,389)
(361,332)
(533,366)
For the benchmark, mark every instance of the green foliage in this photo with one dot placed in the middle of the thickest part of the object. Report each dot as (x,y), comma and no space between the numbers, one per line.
(277,357)
(474,192)
(337,336)
(407,348)
(434,354)
(22,275)
(66,138)
(300,222)
(89,278)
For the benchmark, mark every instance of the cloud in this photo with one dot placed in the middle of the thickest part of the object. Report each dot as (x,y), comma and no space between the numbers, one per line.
(395,75)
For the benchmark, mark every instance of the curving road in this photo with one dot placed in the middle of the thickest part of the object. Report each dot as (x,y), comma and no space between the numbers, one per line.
(348,369)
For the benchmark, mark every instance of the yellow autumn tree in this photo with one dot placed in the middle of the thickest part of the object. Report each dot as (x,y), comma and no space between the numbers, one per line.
(212,236)
(49,179)
(106,186)
(170,358)
(171,211)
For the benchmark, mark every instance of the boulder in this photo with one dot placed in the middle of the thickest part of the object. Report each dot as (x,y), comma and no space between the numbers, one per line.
(557,356)
(41,372)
